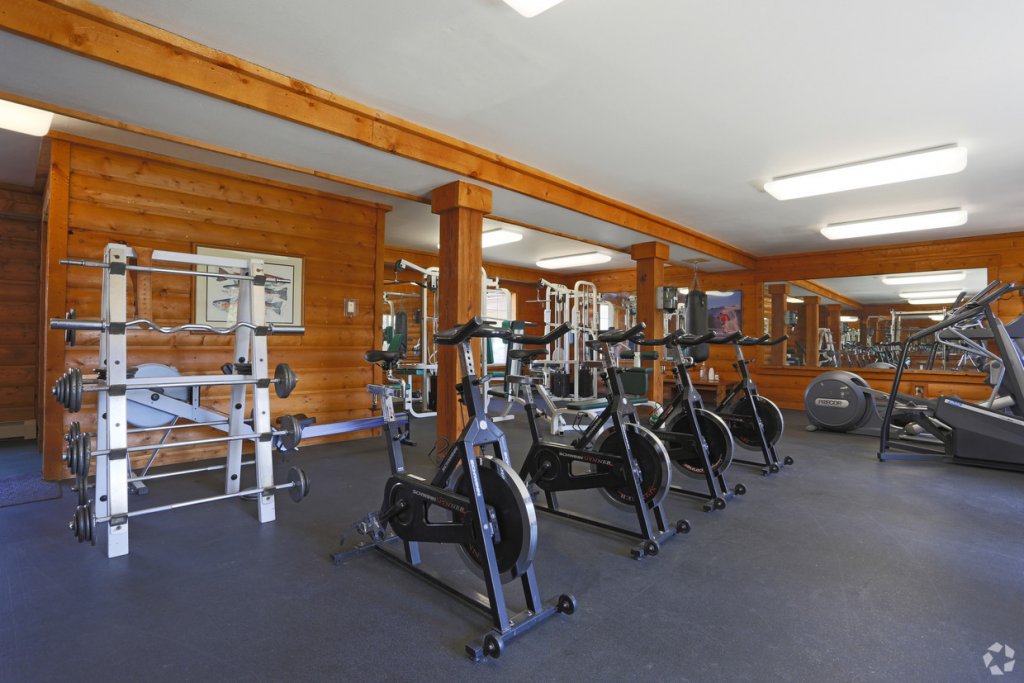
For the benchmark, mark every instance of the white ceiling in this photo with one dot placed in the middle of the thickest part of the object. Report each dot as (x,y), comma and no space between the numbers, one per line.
(678,107)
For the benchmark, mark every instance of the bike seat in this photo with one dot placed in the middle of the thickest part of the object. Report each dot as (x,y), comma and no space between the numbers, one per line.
(378,356)
(526,354)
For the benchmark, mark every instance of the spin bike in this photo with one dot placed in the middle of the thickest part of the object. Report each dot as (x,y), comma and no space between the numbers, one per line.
(633,473)
(755,422)
(699,442)
(477,503)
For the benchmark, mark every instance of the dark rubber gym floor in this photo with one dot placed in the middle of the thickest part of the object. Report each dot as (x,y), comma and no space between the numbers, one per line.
(840,568)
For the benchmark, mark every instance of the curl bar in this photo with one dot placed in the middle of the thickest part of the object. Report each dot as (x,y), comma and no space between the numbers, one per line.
(155,269)
(79,451)
(70,325)
(83,524)
(68,389)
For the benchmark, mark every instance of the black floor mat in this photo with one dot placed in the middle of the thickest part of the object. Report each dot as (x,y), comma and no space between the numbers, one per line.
(26,488)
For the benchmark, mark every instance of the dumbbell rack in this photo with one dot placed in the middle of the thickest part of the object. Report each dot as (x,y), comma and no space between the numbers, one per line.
(113,384)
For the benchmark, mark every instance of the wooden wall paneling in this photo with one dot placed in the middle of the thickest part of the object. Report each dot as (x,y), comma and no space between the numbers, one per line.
(20,228)
(112,194)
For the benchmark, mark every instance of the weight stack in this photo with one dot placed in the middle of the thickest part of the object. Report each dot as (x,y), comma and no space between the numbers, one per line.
(560,384)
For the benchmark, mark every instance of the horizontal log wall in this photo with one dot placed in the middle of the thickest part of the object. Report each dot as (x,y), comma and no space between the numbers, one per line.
(117,195)
(20,224)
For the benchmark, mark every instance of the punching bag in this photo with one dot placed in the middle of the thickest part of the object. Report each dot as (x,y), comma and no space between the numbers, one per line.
(697,322)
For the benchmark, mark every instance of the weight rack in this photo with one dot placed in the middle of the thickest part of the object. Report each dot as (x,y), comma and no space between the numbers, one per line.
(113,387)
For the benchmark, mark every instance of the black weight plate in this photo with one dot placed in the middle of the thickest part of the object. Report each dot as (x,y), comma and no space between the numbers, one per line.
(289,424)
(652,459)
(286,380)
(745,431)
(300,484)
(686,455)
(75,392)
(515,516)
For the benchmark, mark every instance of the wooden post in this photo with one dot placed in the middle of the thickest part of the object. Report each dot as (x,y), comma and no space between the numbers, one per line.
(811,324)
(779,293)
(863,322)
(834,311)
(650,260)
(461,207)
(54,284)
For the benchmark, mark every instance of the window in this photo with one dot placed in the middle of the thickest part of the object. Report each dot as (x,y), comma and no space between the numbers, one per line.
(500,308)
(606,316)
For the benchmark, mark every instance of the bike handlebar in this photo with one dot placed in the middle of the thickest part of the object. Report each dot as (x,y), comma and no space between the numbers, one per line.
(474,327)
(551,336)
(727,339)
(617,336)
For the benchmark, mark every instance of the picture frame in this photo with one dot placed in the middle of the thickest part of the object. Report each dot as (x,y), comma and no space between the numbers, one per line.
(725,311)
(216,299)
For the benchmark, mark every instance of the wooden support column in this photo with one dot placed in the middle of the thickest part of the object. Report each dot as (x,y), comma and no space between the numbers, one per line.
(833,312)
(779,293)
(650,260)
(54,285)
(863,322)
(811,324)
(461,207)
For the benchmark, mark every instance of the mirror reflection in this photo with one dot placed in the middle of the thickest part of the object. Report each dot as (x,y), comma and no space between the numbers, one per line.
(861,322)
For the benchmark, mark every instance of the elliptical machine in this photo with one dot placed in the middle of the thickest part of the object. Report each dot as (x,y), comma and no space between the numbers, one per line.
(491,516)
(623,460)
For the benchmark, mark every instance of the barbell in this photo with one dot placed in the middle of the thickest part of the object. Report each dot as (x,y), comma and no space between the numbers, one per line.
(79,453)
(69,388)
(83,524)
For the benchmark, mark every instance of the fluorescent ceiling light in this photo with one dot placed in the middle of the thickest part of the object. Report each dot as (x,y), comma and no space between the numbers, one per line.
(793,300)
(493,238)
(937,317)
(531,8)
(848,318)
(924,163)
(931,220)
(588,259)
(22,119)
(924,278)
(934,294)
(938,300)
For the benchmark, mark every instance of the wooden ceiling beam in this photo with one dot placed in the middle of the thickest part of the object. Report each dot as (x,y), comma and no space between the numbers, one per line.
(91,31)
(822,290)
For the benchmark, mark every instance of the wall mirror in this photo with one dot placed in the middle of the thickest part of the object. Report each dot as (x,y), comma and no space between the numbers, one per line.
(860,322)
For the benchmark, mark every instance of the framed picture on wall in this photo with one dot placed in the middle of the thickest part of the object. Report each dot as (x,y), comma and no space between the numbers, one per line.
(216,300)
(725,311)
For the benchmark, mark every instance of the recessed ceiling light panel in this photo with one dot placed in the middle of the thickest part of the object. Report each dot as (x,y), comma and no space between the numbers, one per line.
(492,238)
(22,119)
(898,168)
(930,295)
(793,300)
(574,261)
(931,220)
(531,8)
(924,278)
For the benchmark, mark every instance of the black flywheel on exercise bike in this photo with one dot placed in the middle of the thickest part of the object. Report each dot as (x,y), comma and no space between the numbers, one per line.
(652,459)
(686,455)
(745,431)
(511,510)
